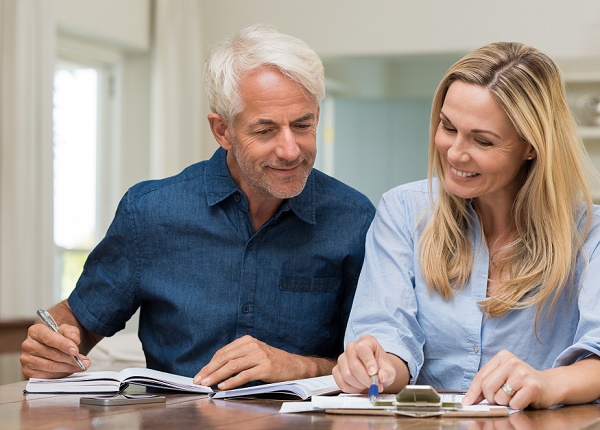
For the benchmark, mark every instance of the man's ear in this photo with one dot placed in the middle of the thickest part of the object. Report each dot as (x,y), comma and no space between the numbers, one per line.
(220,130)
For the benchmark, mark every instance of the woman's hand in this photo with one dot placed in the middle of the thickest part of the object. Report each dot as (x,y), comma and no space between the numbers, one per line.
(508,380)
(365,358)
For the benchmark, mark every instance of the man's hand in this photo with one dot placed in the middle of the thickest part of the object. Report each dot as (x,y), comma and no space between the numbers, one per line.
(46,354)
(248,359)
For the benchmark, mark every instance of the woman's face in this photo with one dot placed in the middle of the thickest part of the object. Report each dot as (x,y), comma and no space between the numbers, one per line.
(481,152)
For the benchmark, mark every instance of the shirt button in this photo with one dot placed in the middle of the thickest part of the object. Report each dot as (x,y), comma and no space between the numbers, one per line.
(245,309)
(237,198)
(250,245)
(476,349)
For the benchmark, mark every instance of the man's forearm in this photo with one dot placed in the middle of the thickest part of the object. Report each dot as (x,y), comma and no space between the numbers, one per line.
(316,366)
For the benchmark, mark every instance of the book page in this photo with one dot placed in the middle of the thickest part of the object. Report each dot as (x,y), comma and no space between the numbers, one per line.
(348,401)
(156,378)
(303,388)
(319,385)
(107,381)
(82,382)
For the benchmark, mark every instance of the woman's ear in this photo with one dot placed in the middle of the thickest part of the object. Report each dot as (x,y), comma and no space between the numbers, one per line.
(220,130)
(532,154)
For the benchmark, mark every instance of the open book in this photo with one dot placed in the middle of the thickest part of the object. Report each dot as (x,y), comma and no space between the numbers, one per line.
(113,382)
(299,388)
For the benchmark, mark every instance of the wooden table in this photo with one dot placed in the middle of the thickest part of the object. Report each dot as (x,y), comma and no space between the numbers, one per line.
(185,411)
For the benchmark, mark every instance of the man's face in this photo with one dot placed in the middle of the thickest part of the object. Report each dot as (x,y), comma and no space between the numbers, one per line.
(273,139)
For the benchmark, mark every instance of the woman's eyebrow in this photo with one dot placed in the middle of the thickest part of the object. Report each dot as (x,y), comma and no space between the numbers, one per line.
(475,130)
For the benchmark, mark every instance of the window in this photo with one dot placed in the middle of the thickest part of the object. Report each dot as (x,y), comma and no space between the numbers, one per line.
(84,143)
(75,147)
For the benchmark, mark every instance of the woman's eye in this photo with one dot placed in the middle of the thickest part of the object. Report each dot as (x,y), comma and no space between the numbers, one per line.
(447,128)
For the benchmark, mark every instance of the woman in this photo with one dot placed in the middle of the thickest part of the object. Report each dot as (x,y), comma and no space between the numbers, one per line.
(485,278)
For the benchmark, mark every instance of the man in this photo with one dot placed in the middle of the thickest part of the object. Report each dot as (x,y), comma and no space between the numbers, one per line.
(245,265)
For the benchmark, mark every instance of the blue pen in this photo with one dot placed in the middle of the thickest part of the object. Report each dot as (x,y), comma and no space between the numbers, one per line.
(374,388)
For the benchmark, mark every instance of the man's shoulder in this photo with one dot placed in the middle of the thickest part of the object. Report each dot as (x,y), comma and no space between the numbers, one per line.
(333,191)
(189,177)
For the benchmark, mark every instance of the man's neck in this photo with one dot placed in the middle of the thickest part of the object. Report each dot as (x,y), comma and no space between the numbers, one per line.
(262,209)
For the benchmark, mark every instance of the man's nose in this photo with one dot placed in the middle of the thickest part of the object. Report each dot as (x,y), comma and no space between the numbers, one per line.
(287,147)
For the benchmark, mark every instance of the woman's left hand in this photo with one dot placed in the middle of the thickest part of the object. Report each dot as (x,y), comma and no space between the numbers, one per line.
(508,380)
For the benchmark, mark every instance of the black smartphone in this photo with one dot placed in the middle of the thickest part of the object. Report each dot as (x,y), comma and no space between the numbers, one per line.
(122,399)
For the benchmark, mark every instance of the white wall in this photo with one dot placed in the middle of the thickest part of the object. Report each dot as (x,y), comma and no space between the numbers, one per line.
(122,22)
(391,27)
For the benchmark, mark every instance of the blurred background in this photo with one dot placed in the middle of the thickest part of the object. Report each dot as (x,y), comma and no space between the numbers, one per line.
(96,95)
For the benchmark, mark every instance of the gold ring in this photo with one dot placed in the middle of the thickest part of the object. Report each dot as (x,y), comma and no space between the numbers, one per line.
(508,390)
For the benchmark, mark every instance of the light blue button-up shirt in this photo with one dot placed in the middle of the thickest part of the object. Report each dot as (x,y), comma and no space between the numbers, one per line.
(445,343)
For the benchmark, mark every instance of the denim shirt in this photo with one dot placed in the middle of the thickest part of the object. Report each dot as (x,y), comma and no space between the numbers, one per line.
(445,342)
(183,249)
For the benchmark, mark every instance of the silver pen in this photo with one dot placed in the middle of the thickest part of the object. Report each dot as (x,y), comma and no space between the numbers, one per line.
(49,321)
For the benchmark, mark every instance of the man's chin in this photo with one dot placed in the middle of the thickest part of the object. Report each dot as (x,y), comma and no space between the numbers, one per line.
(288,191)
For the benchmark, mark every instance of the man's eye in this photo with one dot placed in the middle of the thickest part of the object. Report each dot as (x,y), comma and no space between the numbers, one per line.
(263,132)
(303,126)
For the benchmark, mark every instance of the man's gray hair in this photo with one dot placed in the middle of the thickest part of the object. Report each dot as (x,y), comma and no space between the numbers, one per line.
(251,48)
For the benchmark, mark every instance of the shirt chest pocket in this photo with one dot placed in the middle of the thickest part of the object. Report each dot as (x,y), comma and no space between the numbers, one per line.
(308,312)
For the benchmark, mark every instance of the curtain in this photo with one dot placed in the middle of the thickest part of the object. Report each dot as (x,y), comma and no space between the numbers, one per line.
(27,45)
(178,102)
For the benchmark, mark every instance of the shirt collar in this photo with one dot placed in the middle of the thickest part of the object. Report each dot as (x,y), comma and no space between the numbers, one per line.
(219,185)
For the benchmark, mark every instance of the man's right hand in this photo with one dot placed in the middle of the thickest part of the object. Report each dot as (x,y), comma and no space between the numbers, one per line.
(47,354)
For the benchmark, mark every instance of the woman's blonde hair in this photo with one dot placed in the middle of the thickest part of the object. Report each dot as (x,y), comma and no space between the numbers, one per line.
(540,261)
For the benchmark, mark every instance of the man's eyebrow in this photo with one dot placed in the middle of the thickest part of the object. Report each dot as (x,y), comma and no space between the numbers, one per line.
(306,117)
(266,121)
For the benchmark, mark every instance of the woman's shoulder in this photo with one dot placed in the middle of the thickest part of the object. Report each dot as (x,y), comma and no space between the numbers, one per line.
(582,216)
(417,191)
(592,238)
(408,201)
